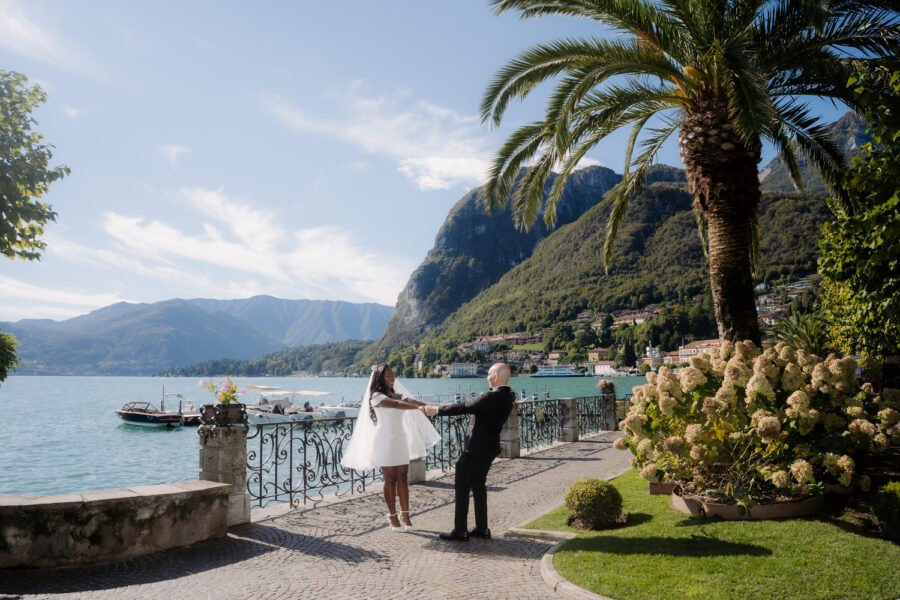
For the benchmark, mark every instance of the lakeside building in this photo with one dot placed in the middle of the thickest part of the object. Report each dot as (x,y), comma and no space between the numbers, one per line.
(696,347)
(464,370)
(554,358)
(671,358)
(605,368)
(653,357)
(597,354)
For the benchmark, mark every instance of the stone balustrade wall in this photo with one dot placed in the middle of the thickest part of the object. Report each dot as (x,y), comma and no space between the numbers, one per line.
(91,527)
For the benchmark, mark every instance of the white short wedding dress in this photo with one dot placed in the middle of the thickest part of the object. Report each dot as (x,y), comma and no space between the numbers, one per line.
(398,437)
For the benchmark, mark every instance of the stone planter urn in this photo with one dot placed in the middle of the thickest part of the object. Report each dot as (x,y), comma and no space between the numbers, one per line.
(233,413)
(734,512)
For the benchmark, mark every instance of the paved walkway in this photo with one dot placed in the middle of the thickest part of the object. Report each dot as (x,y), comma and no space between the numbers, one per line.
(344,550)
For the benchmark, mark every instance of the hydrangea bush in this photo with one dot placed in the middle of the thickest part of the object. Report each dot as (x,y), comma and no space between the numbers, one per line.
(765,424)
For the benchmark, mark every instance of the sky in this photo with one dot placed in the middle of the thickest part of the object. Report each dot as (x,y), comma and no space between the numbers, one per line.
(225,149)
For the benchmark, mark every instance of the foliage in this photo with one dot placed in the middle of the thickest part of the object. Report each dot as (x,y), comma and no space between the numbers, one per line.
(606,386)
(886,508)
(226,393)
(25,174)
(593,503)
(316,358)
(803,330)
(664,555)
(860,251)
(760,425)
(8,359)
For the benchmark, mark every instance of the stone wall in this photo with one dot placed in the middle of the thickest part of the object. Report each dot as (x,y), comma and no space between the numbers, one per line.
(91,527)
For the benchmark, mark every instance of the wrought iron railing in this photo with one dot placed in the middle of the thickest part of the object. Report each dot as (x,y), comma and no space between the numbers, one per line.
(540,422)
(444,454)
(596,413)
(300,462)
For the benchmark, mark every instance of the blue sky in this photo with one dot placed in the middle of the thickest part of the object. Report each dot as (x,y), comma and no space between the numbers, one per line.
(228,149)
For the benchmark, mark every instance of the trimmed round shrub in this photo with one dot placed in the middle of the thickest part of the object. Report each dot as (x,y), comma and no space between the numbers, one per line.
(593,504)
(886,507)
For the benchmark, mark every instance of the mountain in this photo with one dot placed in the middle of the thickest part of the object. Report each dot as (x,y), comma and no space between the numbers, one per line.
(657,258)
(302,322)
(848,133)
(145,339)
(473,250)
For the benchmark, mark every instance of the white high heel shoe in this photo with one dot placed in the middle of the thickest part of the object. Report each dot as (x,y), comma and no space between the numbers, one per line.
(391,524)
(406,527)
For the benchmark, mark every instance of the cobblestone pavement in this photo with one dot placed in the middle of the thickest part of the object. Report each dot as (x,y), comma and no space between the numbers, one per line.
(345,550)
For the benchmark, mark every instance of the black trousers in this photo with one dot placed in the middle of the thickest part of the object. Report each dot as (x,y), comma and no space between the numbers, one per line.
(471,474)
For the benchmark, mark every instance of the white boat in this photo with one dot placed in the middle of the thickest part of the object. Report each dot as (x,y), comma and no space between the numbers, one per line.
(276,405)
(344,410)
(556,371)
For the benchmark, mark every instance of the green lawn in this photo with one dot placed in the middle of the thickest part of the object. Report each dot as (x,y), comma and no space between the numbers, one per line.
(529,347)
(665,554)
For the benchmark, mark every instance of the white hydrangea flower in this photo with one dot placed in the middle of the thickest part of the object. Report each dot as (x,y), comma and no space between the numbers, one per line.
(793,377)
(769,429)
(693,432)
(697,452)
(854,412)
(650,472)
(763,365)
(799,401)
(830,462)
(651,378)
(781,479)
(621,444)
(862,430)
(846,464)
(802,471)
(846,479)
(737,372)
(759,385)
(691,378)
(888,417)
(645,447)
(880,442)
(667,404)
(674,444)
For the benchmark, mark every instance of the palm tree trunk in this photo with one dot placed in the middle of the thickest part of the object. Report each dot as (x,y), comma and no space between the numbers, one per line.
(722,176)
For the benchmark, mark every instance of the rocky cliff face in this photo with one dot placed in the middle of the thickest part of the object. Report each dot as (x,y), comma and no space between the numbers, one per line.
(848,133)
(473,250)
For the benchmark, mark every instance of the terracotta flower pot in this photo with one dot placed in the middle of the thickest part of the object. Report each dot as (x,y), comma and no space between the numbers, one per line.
(661,488)
(734,512)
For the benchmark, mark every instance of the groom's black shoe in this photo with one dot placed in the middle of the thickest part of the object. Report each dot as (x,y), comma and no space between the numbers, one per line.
(484,534)
(455,536)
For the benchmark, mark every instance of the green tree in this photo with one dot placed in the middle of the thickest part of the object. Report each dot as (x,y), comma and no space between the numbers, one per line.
(25,172)
(725,74)
(25,176)
(860,250)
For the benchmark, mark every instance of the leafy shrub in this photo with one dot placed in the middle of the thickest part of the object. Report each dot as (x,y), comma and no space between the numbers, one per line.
(765,424)
(886,507)
(593,504)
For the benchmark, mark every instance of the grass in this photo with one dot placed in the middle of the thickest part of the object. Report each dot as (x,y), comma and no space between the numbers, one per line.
(665,554)
(529,347)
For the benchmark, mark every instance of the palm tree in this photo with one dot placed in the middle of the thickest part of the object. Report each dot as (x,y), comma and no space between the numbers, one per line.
(725,74)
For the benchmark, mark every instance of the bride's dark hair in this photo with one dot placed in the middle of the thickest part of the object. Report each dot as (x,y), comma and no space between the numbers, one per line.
(378,384)
(378,387)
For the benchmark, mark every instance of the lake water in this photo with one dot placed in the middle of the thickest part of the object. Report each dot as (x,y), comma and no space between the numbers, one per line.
(61,434)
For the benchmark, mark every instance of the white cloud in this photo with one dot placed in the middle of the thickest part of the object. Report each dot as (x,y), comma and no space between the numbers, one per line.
(587,161)
(32,300)
(238,250)
(434,146)
(171,152)
(72,112)
(22,36)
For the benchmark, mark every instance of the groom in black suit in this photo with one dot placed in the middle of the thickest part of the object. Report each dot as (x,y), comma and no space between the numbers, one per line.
(488,413)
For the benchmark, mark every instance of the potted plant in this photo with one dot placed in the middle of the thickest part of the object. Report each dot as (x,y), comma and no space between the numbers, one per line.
(227,410)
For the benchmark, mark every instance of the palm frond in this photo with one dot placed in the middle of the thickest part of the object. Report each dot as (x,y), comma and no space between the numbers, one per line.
(518,149)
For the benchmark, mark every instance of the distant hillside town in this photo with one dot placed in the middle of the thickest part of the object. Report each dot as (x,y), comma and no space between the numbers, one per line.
(542,353)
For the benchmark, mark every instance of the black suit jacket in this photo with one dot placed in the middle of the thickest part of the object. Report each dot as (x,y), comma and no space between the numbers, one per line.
(490,411)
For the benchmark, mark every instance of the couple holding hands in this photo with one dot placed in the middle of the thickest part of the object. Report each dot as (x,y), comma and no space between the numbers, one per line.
(392,429)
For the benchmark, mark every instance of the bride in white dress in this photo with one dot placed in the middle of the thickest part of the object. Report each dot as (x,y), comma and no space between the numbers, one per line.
(389,432)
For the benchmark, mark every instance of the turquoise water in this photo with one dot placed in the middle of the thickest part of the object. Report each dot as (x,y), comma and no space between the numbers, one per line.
(61,434)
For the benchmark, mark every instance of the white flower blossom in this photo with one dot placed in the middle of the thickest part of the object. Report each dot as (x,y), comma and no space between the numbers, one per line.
(802,471)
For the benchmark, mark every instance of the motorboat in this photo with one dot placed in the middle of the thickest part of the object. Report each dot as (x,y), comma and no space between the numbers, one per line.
(145,414)
(190,414)
(276,405)
(344,410)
